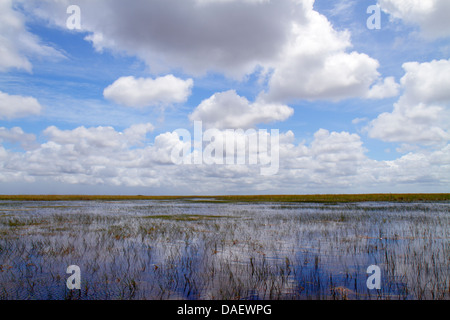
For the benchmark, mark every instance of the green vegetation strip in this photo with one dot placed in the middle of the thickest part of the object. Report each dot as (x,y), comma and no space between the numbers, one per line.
(405,197)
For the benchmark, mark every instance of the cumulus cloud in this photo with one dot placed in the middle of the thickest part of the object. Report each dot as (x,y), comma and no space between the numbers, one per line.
(422,113)
(105,156)
(98,139)
(228,110)
(315,64)
(332,158)
(17,136)
(14,106)
(96,155)
(387,88)
(232,37)
(137,133)
(337,147)
(298,50)
(17,45)
(304,55)
(420,167)
(144,92)
(430,15)
(427,82)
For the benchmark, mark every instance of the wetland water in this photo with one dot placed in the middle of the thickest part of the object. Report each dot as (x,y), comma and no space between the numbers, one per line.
(186,249)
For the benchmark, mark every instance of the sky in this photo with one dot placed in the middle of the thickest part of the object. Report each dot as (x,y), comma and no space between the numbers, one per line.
(93,95)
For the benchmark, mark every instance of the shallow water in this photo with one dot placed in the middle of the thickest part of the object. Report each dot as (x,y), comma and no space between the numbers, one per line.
(204,250)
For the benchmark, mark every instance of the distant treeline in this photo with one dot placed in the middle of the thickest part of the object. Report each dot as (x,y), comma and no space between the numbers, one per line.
(406,197)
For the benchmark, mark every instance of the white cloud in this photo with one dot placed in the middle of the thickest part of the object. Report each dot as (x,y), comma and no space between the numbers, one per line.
(422,114)
(387,88)
(419,167)
(137,133)
(103,156)
(18,136)
(427,82)
(162,149)
(231,37)
(13,106)
(300,52)
(336,147)
(315,64)
(430,15)
(359,120)
(228,110)
(97,140)
(17,45)
(96,155)
(411,124)
(144,92)
(332,159)
(305,56)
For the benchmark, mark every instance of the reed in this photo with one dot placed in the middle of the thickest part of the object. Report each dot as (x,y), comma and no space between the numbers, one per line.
(321,198)
(183,249)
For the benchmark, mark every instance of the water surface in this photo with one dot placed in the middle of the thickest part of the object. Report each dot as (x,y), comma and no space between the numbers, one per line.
(182,249)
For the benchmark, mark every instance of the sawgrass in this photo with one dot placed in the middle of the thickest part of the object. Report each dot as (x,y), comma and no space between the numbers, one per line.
(319,198)
(188,250)
(186,217)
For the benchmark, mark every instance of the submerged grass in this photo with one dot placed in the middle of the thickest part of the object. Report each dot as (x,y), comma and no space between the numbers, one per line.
(186,217)
(337,198)
(237,250)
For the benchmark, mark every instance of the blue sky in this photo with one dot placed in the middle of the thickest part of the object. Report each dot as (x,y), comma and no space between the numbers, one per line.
(93,110)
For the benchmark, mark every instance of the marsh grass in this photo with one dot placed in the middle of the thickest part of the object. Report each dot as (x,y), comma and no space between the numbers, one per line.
(331,198)
(200,250)
(186,217)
